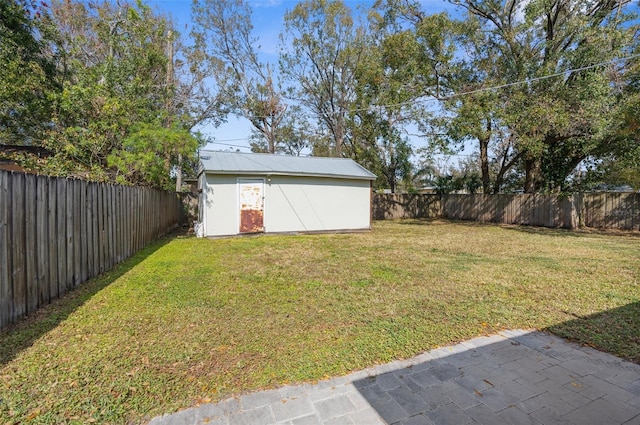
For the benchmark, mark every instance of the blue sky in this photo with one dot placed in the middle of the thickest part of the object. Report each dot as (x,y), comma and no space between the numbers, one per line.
(268,17)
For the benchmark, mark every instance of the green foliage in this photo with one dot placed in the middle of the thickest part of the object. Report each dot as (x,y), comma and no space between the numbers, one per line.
(385,88)
(381,149)
(148,154)
(114,119)
(94,83)
(29,74)
(466,183)
(293,135)
(110,88)
(519,82)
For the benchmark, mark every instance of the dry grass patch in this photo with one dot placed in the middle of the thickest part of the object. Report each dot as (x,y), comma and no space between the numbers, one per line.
(191,320)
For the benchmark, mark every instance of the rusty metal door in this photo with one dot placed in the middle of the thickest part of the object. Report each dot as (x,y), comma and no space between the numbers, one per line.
(251,205)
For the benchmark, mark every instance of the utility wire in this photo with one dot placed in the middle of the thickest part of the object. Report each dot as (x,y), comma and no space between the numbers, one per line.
(498,87)
(467,93)
(242,139)
(515,83)
(233,146)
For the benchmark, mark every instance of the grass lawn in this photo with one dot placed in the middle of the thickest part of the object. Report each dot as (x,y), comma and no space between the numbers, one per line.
(189,320)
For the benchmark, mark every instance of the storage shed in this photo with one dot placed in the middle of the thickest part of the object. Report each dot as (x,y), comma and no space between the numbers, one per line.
(262,193)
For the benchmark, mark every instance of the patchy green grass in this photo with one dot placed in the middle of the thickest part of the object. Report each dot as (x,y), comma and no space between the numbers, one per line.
(190,320)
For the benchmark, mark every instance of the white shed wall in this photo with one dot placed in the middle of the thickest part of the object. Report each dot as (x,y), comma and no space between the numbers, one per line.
(295,204)
(220,205)
(292,204)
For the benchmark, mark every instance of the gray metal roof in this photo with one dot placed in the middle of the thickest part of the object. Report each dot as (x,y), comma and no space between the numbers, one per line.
(263,164)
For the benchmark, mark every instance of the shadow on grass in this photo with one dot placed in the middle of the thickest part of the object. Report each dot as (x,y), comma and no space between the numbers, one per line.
(616,331)
(517,377)
(24,333)
(579,233)
(533,230)
(525,378)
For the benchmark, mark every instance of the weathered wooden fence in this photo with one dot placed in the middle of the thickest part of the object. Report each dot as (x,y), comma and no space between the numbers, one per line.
(598,210)
(56,233)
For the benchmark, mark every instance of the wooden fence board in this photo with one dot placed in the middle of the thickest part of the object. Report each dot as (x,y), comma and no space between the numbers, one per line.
(124,235)
(52,211)
(5,266)
(145,224)
(139,227)
(62,235)
(120,224)
(69,236)
(95,234)
(42,242)
(77,230)
(85,232)
(127,224)
(101,232)
(134,219)
(18,279)
(110,225)
(31,284)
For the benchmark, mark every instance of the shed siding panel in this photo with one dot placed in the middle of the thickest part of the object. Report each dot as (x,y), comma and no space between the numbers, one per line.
(221,211)
(316,204)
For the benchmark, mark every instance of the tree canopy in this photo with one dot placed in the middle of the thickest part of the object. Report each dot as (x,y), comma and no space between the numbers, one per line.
(30,76)
(538,95)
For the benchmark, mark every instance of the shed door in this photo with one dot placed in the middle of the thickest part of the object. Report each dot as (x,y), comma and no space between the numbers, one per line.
(251,205)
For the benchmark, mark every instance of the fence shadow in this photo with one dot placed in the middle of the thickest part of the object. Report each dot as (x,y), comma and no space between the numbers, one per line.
(574,233)
(514,377)
(21,335)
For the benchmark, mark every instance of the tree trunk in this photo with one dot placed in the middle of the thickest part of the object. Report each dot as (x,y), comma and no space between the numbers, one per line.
(179,174)
(339,140)
(533,175)
(484,158)
(270,134)
(484,164)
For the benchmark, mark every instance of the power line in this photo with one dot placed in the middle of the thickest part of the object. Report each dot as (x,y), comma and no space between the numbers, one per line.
(498,87)
(242,139)
(233,146)
(466,93)
(515,83)
(557,74)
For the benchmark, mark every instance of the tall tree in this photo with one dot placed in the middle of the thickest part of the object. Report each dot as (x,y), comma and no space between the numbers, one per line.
(385,104)
(562,50)
(474,113)
(30,74)
(323,48)
(224,32)
(118,91)
(531,83)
